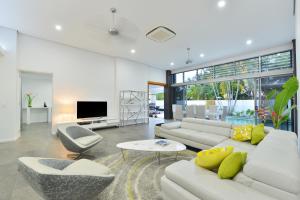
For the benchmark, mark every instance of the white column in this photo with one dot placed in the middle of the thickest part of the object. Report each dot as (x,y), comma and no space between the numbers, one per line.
(9,117)
(298,61)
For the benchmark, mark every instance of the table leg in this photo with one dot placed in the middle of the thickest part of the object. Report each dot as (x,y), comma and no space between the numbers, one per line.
(123,154)
(158,157)
(176,155)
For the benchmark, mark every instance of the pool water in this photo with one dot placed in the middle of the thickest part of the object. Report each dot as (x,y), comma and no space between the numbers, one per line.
(240,120)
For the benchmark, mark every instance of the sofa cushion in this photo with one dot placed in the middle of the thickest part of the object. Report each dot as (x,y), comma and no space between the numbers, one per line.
(276,162)
(212,158)
(205,184)
(172,125)
(87,167)
(87,139)
(208,122)
(242,133)
(238,146)
(207,126)
(232,164)
(196,136)
(258,134)
(266,189)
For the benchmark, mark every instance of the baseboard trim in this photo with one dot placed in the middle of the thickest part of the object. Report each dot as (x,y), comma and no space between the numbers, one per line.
(11,139)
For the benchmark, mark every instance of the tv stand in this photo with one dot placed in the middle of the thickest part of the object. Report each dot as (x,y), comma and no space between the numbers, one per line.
(99,123)
(84,123)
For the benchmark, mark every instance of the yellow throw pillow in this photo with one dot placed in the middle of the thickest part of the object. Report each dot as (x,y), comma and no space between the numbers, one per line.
(242,133)
(212,158)
(258,134)
(232,164)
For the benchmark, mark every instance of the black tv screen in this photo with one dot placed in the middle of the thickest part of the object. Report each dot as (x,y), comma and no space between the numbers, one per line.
(91,109)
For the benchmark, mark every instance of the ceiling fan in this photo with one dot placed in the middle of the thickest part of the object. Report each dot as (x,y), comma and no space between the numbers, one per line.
(189,60)
(113,30)
(117,29)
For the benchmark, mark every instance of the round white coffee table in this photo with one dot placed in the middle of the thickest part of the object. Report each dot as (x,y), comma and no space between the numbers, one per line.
(151,146)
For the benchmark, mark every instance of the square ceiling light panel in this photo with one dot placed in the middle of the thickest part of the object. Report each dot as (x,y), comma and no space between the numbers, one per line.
(160,34)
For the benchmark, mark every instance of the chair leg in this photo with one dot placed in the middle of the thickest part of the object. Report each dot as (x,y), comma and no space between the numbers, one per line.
(75,156)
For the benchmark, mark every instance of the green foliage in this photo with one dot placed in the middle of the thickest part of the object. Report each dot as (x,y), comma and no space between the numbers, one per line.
(289,90)
(160,96)
(29,98)
(247,113)
(200,92)
(271,94)
(250,112)
(280,112)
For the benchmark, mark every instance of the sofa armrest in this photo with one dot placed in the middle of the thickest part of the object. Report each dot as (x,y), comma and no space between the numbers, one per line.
(172,125)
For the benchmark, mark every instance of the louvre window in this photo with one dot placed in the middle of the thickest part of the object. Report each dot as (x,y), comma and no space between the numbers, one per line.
(225,70)
(237,68)
(276,61)
(206,73)
(247,66)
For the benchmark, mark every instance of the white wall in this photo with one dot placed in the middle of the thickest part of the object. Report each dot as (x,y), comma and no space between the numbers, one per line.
(9,117)
(83,75)
(134,76)
(77,74)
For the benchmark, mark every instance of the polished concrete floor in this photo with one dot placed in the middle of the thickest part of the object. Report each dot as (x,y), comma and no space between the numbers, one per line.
(36,140)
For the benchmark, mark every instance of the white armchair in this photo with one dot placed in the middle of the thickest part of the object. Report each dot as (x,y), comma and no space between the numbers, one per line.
(56,179)
(78,139)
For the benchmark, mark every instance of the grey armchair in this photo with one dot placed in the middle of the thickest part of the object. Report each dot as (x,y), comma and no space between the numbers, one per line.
(56,179)
(78,139)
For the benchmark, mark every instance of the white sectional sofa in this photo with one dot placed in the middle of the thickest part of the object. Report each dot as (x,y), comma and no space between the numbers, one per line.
(201,133)
(272,169)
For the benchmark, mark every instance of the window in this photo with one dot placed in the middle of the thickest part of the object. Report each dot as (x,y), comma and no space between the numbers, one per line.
(247,66)
(236,89)
(276,61)
(233,70)
(190,76)
(237,68)
(179,78)
(206,73)
(225,70)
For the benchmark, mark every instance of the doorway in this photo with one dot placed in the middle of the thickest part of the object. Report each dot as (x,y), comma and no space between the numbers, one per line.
(156,99)
(36,99)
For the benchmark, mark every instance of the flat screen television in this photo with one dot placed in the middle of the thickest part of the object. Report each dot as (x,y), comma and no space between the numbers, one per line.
(91,109)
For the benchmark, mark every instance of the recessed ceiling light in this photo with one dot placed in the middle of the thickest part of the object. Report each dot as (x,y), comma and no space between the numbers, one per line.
(172,64)
(132,51)
(202,55)
(249,42)
(58,27)
(222,4)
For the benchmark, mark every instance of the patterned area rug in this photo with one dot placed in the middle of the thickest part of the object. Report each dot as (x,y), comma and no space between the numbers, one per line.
(138,177)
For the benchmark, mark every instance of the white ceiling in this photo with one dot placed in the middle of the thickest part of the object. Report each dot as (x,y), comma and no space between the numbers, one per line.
(199,24)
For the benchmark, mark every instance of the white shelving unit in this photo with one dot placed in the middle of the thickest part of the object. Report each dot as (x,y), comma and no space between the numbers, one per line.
(133,107)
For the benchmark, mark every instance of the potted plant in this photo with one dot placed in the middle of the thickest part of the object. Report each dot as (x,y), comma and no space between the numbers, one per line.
(279,110)
(29,98)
